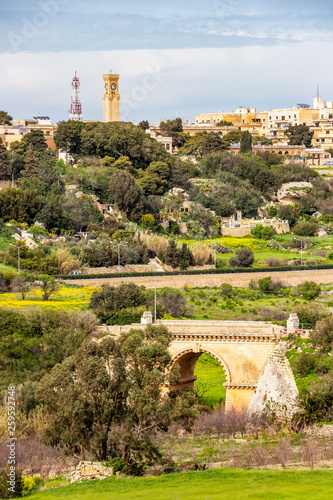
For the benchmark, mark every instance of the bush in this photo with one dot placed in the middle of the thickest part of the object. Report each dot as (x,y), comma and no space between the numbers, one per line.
(266,284)
(306,229)
(310,313)
(9,490)
(227,290)
(322,336)
(244,258)
(309,290)
(173,302)
(274,262)
(263,232)
(304,363)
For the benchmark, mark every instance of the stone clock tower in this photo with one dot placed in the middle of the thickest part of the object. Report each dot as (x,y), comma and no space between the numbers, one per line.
(111,98)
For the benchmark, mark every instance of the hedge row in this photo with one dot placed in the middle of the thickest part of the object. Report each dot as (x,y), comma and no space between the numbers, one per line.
(191,273)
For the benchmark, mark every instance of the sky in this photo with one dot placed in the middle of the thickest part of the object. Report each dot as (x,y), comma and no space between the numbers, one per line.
(175,58)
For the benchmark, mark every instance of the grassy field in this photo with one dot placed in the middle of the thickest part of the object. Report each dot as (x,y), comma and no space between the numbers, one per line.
(221,484)
(69,298)
(210,379)
(262,252)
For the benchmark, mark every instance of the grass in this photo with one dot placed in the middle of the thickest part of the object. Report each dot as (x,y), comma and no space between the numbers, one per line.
(221,484)
(69,298)
(210,378)
(262,252)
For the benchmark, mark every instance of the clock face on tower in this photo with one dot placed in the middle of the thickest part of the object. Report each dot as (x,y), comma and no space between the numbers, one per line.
(113,86)
(106,86)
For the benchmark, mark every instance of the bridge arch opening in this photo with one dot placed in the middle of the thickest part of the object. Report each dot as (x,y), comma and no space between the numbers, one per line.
(205,371)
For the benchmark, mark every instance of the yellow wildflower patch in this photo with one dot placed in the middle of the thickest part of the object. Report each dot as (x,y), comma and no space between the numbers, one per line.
(68,298)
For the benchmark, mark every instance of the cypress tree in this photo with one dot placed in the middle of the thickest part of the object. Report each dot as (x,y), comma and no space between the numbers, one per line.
(172,254)
(246,143)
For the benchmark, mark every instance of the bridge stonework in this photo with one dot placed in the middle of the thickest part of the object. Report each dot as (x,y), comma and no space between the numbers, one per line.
(243,348)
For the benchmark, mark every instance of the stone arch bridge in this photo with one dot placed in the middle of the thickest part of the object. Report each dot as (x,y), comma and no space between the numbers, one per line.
(243,348)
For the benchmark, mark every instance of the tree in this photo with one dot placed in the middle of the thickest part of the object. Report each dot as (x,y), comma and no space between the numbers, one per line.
(4,162)
(264,141)
(144,124)
(309,290)
(263,232)
(244,258)
(186,257)
(110,301)
(155,178)
(148,220)
(246,142)
(266,284)
(322,335)
(172,254)
(233,137)
(30,164)
(21,284)
(173,302)
(300,135)
(68,136)
(306,228)
(84,397)
(126,193)
(107,400)
(203,144)
(48,285)
(175,125)
(5,118)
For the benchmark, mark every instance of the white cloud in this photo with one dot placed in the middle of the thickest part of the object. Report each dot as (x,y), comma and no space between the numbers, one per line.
(158,83)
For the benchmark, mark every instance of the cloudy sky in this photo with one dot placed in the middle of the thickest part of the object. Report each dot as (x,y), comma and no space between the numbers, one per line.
(176,58)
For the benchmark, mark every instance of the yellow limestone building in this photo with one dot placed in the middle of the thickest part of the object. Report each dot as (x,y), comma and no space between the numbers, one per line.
(111,98)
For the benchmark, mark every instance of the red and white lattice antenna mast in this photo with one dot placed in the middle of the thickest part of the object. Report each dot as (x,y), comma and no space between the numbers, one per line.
(76,107)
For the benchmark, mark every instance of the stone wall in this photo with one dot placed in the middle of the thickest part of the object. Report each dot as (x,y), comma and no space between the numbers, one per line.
(289,278)
(276,383)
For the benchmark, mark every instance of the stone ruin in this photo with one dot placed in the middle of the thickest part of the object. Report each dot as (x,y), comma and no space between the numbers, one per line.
(90,470)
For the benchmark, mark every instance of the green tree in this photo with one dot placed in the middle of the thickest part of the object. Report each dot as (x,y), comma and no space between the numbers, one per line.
(203,144)
(299,135)
(263,232)
(306,228)
(127,194)
(233,137)
(30,164)
(48,285)
(84,398)
(246,142)
(186,257)
(69,136)
(5,169)
(107,399)
(172,254)
(144,124)
(266,284)
(322,335)
(109,301)
(175,125)
(309,290)
(5,118)
(156,178)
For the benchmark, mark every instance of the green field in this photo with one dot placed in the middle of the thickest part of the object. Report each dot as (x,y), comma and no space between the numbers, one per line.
(221,484)
(210,378)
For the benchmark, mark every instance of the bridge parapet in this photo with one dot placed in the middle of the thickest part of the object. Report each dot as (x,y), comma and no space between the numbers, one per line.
(213,331)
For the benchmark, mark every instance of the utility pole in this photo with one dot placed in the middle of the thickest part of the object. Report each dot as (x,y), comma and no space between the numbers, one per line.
(155,303)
